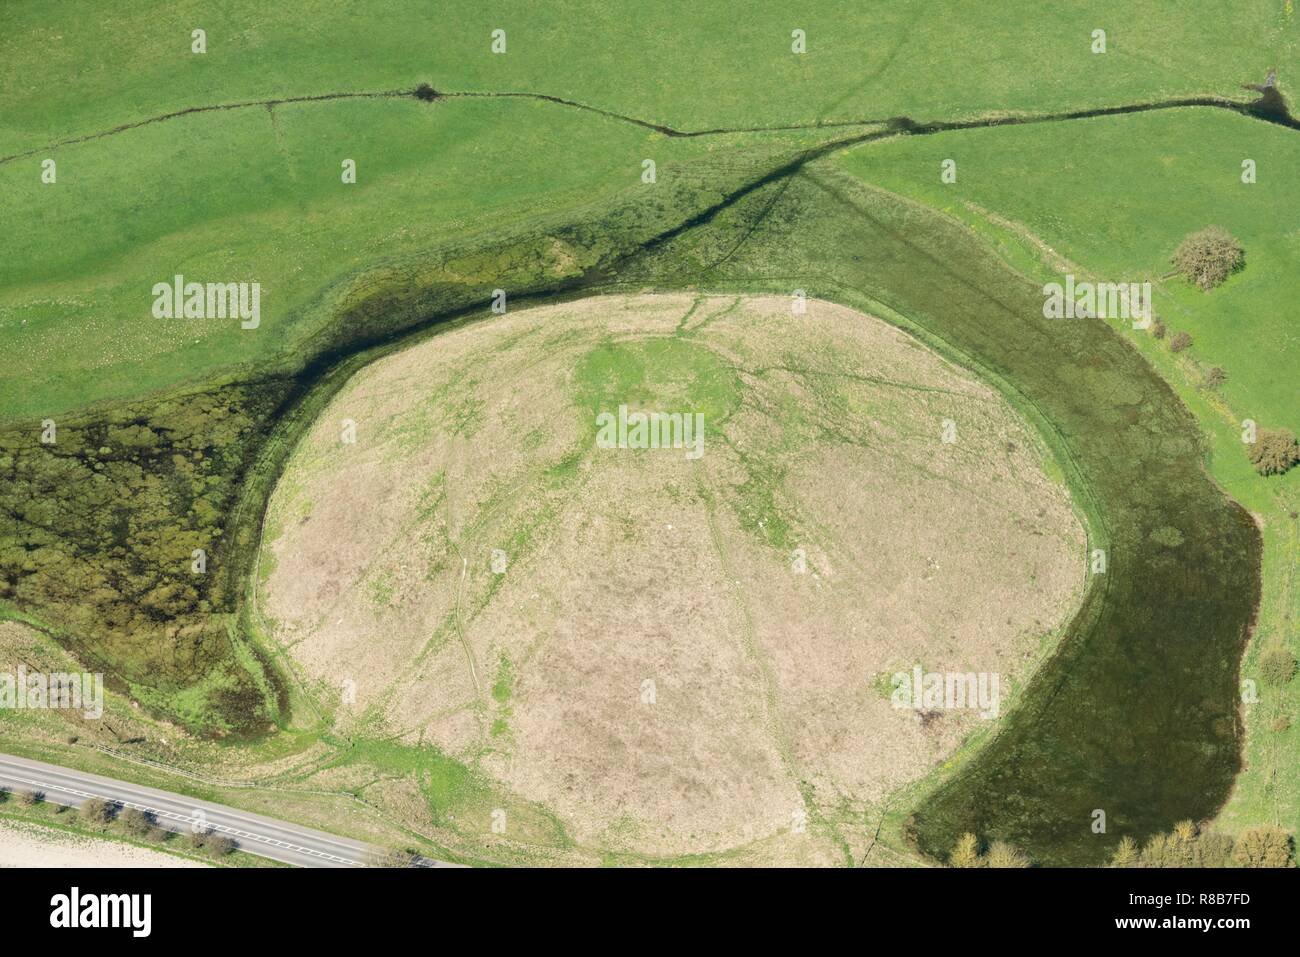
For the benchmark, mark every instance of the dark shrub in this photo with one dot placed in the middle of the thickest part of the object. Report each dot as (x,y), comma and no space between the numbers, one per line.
(1276,666)
(1208,257)
(1265,846)
(96,811)
(136,822)
(218,845)
(1273,451)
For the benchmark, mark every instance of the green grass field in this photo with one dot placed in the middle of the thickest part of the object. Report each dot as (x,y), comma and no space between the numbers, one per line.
(260,196)
(256,193)
(176,430)
(1117,195)
(687,65)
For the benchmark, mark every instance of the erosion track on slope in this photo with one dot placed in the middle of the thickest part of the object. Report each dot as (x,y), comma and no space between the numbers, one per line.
(1270,108)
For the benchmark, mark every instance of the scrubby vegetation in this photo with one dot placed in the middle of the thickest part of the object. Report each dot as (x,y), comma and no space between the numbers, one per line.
(1265,846)
(135,822)
(391,857)
(113,533)
(1277,666)
(96,811)
(966,853)
(1189,846)
(1274,451)
(1208,257)
(212,842)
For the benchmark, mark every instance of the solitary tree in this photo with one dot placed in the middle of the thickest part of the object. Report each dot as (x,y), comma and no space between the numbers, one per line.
(1276,666)
(219,845)
(1208,257)
(96,811)
(1185,831)
(1003,855)
(1180,341)
(136,822)
(1274,451)
(1126,853)
(966,853)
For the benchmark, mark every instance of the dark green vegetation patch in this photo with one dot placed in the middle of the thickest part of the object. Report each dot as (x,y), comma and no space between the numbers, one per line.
(113,529)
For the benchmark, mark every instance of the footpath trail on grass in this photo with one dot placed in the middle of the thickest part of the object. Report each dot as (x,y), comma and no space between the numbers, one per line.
(1269,108)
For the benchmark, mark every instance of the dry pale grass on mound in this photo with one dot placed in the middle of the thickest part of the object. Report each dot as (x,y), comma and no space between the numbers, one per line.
(649,666)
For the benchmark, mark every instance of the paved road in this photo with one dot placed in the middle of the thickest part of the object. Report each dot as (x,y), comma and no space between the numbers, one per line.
(254,833)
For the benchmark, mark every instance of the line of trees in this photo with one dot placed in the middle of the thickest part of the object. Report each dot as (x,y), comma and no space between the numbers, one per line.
(1185,846)
(100,814)
(1188,846)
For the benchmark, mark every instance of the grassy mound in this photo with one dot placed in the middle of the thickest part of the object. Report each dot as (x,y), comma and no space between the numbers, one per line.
(682,643)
